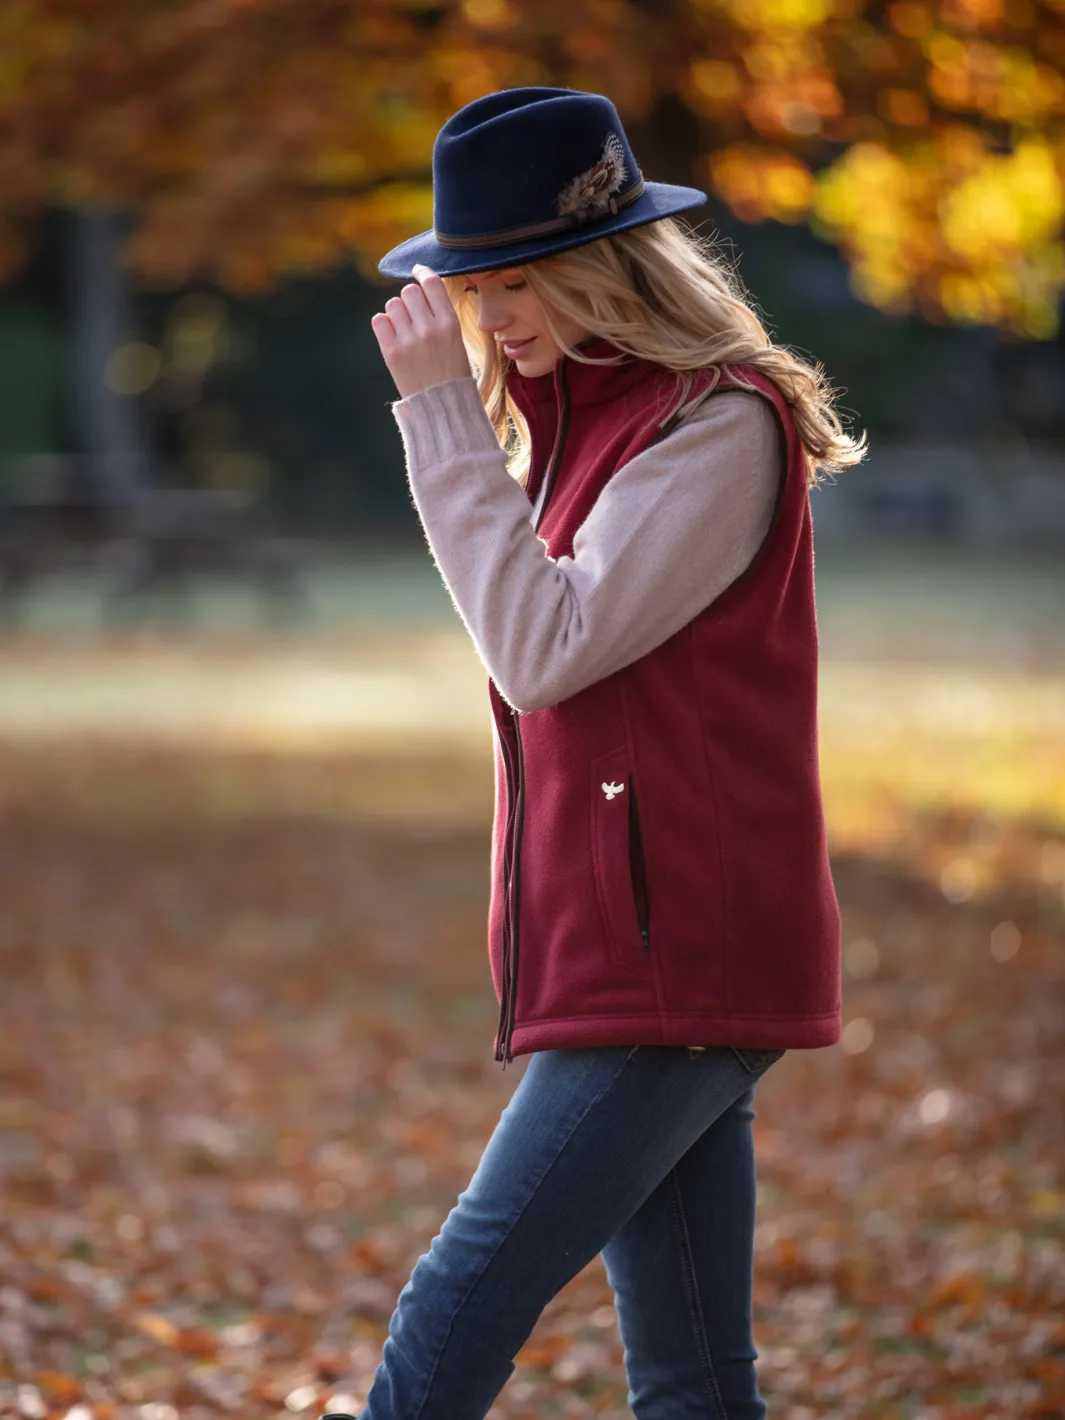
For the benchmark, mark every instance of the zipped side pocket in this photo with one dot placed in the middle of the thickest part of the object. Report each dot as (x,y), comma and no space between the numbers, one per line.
(638,869)
(617,857)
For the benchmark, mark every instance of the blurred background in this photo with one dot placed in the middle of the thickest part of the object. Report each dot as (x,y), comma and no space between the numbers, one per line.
(245,775)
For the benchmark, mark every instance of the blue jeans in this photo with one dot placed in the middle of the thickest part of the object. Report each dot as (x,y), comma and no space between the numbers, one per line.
(643,1153)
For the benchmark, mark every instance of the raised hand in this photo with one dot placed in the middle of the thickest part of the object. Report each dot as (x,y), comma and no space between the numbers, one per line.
(419,335)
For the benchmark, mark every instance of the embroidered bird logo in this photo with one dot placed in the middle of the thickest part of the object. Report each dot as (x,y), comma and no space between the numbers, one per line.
(611,789)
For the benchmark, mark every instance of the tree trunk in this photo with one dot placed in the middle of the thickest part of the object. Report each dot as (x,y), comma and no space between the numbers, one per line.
(109,426)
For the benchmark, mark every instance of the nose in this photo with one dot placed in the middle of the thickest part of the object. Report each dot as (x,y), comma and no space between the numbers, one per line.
(492,314)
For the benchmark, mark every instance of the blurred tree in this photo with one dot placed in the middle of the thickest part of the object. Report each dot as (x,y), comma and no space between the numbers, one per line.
(262,138)
(31,392)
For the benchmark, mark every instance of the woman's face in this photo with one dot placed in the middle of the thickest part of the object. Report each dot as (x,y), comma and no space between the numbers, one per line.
(509,312)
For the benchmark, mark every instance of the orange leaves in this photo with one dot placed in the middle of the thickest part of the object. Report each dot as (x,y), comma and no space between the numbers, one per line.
(762,183)
(184,899)
(384,217)
(909,18)
(194,1342)
(157,1327)
(902,107)
(716,85)
(256,140)
(58,1387)
(964,1290)
(489,14)
(1003,82)
(197,1343)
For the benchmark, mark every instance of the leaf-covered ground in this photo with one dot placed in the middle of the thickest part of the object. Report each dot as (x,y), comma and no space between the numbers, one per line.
(246,1025)
(246,1067)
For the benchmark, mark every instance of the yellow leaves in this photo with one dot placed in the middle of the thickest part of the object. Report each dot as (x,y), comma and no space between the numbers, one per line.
(714,86)
(489,14)
(1010,203)
(406,132)
(847,187)
(214,144)
(863,199)
(901,740)
(758,183)
(789,188)
(972,233)
(1004,82)
(380,219)
(756,15)
(1046,1203)
(338,166)
(716,78)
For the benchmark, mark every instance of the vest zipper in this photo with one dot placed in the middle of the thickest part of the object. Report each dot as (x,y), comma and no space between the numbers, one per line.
(638,869)
(506,869)
(516,795)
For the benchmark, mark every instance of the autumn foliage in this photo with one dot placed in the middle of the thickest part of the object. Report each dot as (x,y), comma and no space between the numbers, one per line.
(246,1068)
(260,138)
(246,1027)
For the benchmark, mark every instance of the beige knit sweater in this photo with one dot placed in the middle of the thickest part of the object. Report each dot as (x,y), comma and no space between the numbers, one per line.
(672,529)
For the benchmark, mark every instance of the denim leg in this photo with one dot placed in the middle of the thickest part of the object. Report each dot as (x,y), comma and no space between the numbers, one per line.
(681,1269)
(586,1139)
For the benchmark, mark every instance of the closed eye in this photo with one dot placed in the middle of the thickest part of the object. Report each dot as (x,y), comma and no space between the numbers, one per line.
(518,286)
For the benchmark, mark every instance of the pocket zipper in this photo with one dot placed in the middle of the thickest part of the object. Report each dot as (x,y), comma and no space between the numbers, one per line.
(638,869)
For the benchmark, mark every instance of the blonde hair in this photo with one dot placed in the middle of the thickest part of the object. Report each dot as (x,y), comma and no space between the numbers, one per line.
(659,293)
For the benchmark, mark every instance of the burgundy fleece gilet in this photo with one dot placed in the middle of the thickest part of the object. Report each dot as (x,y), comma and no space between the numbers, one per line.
(659,865)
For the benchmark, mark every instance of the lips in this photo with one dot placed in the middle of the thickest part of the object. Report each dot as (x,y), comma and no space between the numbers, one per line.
(513,348)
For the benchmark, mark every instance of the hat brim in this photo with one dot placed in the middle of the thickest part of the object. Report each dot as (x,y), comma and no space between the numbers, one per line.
(658,199)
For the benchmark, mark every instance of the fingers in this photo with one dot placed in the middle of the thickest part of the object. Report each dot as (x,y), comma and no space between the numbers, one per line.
(420,305)
(418,308)
(399,315)
(419,335)
(434,292)
(410,311)
(383,328)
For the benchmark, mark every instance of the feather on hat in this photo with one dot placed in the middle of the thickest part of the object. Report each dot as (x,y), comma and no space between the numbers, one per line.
(589,194)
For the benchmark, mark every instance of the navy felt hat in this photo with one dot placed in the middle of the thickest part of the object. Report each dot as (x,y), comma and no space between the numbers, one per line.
(525,173)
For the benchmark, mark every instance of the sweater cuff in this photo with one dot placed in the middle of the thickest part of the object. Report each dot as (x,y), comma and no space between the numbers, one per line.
(443,422)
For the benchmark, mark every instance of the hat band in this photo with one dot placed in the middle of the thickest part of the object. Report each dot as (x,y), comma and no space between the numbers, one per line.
(544,229)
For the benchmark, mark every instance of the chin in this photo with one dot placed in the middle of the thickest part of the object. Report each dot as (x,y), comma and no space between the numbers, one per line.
(531,368)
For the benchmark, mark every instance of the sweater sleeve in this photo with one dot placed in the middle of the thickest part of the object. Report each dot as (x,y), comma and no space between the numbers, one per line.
(671,530)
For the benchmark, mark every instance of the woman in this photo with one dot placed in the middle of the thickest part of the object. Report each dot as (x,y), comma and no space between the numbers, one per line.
(663,924)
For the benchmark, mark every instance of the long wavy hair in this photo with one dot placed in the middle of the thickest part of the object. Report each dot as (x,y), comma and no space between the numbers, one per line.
(660,293)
